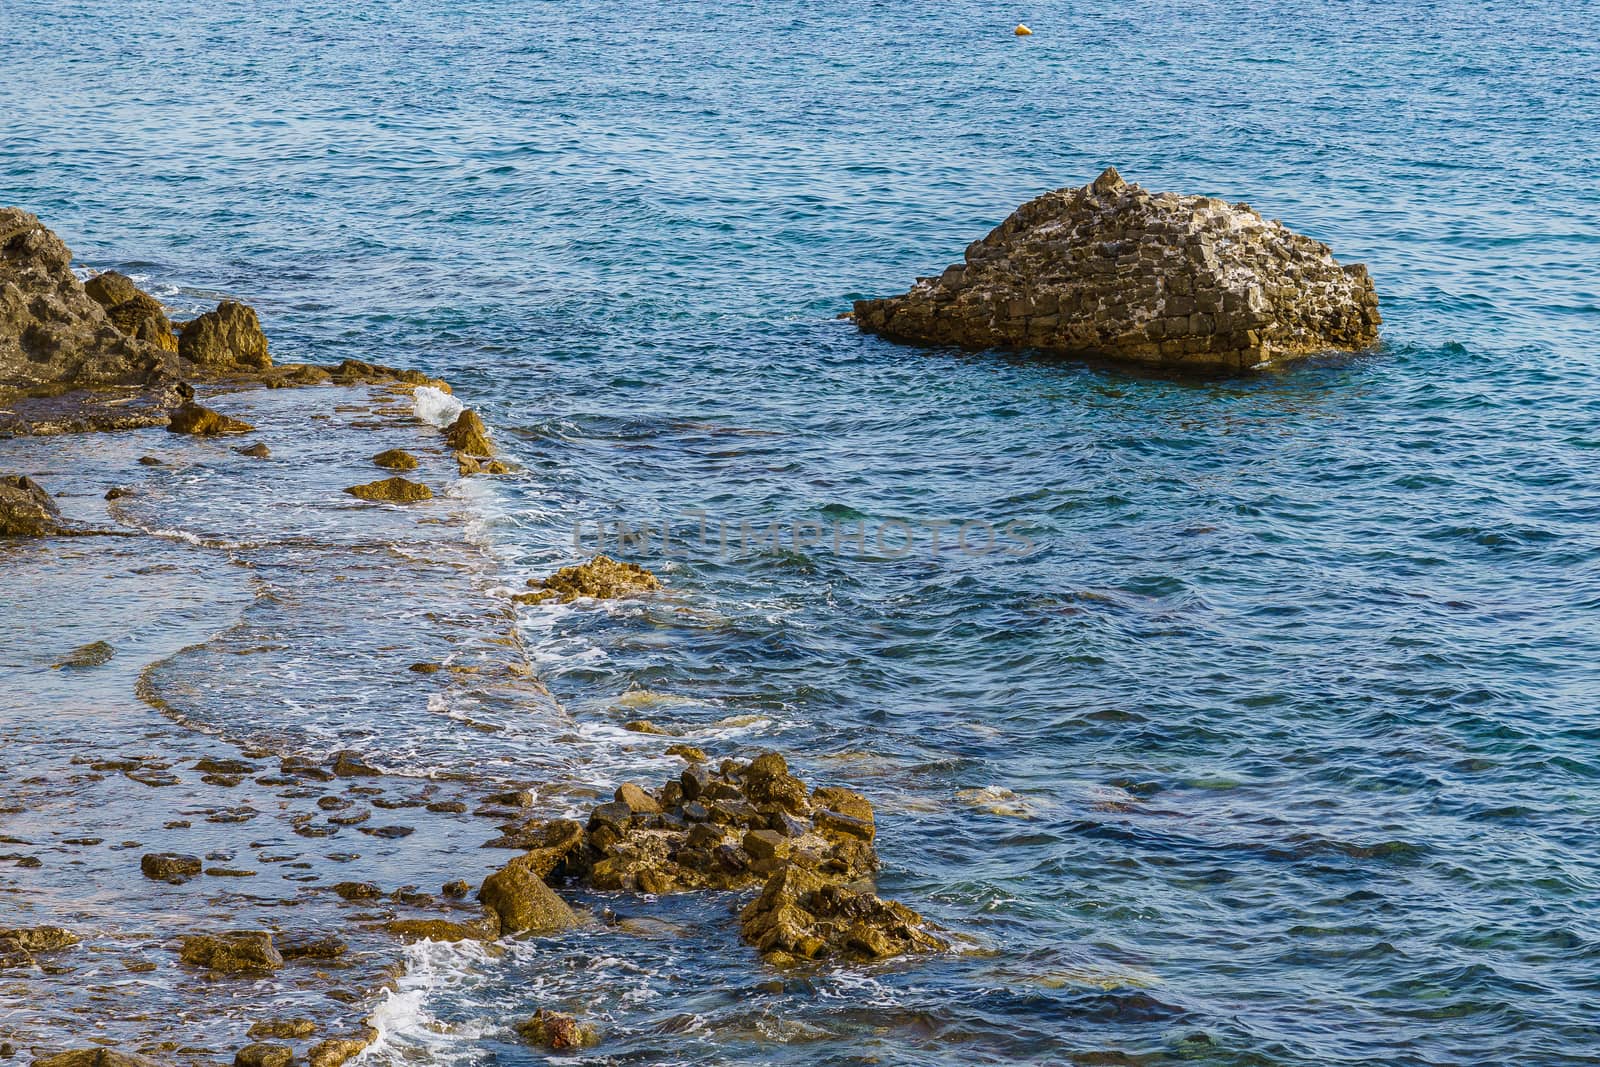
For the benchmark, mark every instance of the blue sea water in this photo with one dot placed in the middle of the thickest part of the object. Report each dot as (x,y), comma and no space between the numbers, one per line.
(1278,747)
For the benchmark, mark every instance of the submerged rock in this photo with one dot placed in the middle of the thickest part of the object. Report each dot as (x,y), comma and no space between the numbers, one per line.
(601,577)
(19,944)
(93,654)
(484,929)
(26,510)
(263,1054)
(95,1057)
(392,490)
(468,465)
(800,915)
(336,1050)
(469,435)
(231,953)
(226,339)
(1113,270)
(197,419)
(557,1031)
(256,451)
(396,459)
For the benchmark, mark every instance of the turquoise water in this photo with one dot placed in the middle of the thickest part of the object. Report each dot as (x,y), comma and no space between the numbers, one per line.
(1290,713)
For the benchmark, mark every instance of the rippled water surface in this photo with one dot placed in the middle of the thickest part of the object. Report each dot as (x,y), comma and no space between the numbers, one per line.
(1276,747)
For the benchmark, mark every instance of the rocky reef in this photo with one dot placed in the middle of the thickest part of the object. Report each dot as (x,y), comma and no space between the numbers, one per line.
(81,356)
(1112,270)
(602,578)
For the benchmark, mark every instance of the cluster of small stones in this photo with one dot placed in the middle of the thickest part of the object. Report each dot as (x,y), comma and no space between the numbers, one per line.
(741,825)
(602,577)
(1112,270)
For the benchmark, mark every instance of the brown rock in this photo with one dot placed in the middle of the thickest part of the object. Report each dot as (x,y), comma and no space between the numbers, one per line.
(26,510)
(485,929)
(523,902)
(173,867)
(193,418)
(263,1054)
(255,451)
(468,435)
(1112,270)
(558,1031)
(336,1050)
(95,1057)
(392,490)
(228,338)
(638,801)
(396,459)
(283,1028)
(601,577)
(231,953)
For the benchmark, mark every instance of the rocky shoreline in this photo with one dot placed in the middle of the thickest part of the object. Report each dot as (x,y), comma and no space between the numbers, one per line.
(195,815)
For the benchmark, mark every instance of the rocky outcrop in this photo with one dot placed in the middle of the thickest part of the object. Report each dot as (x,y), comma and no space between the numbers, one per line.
(52,333)
(20,944)
(468,435)
(396,459)
(197,419)
(226,339)
(1112,270)
(601,577)
(557,1030)
(746,825)
(132,310)
(95,1057)
(26,510)
(518,895)
(231,953)
(391,490)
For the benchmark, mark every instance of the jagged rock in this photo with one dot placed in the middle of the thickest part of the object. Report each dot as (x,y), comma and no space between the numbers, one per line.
(800,914)
(719,829)
(336,1050)
(392,490)
(469,435)
(193,418)
(601,577)
(358,372)
(1112,270)
(226,339)
(95,1057)
(53,335)
(396,459)
(557,1031)
(131,309)
(26,510)
(523,902)
(263,1054)
(171,867)
(19,944)
(546,843)
(231,953)
(468,465)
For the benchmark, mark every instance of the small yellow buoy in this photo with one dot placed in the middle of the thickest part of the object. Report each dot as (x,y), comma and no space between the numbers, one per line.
(1023,31)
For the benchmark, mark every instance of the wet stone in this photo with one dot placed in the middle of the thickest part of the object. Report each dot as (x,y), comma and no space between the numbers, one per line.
(172,867)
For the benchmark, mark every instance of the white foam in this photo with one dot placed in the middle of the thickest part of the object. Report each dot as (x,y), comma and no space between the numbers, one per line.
(435,406)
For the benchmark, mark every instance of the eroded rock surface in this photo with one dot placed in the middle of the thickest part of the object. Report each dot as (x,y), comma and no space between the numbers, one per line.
(226,339)
(601,577)
(1116,271)
(26,510)
(391,490)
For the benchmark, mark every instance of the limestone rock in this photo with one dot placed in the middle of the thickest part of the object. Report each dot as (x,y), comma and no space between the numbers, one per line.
(95,1057)
(557,1031)
(26,510)
(231,953)
(484,929)
(282,1028)
(110,288)
(800,915)
(392,490)
(53,335)
(19,944)
(263,1054)
(132,310)
(336,1050)
(396,459)
(197,419)
(601,577)
(523,902)
(226,339)
(469,435)
(1112,270)
(172,867)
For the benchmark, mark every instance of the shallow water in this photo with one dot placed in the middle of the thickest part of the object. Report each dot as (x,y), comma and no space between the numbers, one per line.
(1277,748)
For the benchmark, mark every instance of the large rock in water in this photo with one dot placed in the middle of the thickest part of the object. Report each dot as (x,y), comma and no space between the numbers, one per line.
(26,510)
(52,333)
(1115,271)
(228,338)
